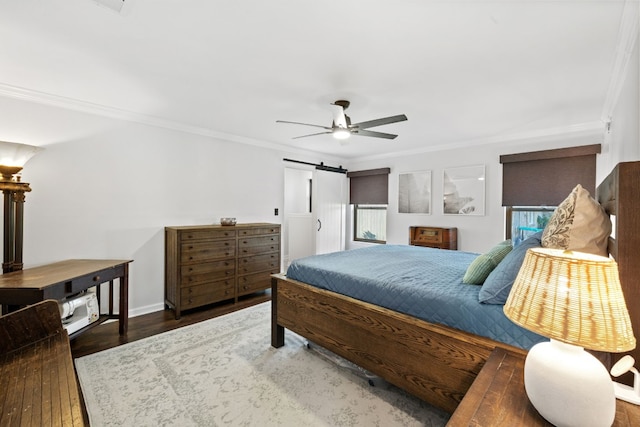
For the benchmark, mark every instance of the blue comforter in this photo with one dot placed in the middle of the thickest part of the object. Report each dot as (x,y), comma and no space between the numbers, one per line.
(422,282)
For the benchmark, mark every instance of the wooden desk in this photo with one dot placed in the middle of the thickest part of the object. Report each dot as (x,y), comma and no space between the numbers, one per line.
(66,278)
(497,398)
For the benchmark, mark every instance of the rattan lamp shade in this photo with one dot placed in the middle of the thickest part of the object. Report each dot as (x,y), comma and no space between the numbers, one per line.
(571,297)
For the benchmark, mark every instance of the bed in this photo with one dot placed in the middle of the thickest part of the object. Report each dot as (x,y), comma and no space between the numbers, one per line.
(433,359)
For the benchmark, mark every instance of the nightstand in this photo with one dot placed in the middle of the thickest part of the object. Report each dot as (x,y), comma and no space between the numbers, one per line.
(497,398)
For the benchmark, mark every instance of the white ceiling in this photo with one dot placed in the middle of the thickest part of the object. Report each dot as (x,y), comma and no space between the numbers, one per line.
(463,72)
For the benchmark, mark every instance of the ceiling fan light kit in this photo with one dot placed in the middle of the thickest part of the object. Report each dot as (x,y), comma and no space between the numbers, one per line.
(341,133)
(341,128)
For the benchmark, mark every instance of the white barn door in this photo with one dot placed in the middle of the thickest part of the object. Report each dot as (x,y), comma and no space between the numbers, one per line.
(329,197)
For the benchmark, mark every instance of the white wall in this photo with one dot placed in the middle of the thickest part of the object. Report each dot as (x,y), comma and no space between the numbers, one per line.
(106,188)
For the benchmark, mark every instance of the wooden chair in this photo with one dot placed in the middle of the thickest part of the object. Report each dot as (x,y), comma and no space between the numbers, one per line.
(38,383)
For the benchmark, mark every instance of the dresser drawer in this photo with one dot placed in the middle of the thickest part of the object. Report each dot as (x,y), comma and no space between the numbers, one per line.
(254,231)
(251,283)
(244,250)
(195,296)
(258,241)
(257,263)
(209,250)
(199,273)
(206,234)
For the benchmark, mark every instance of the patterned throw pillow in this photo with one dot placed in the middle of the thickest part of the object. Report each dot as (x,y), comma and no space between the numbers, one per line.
(484,264)
(579,224)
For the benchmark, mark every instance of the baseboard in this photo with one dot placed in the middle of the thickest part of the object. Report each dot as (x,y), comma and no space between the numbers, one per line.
(146,310)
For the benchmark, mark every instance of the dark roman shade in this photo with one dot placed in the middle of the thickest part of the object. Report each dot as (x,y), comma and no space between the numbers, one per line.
(545,178)
(370,187)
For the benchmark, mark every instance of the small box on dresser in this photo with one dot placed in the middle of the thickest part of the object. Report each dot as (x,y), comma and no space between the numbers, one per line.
(213,263)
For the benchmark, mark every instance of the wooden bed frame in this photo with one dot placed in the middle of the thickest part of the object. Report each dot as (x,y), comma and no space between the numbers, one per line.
(437,363)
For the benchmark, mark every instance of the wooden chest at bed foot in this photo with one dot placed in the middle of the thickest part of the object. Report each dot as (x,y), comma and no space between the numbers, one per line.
(213,263)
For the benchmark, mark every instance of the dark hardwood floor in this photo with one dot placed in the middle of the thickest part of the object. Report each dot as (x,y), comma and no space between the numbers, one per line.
(106,335)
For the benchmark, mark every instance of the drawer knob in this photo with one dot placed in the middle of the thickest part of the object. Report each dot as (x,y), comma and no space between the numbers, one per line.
(96,278)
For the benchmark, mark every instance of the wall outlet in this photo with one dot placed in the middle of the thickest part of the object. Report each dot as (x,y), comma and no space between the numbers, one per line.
(275,211)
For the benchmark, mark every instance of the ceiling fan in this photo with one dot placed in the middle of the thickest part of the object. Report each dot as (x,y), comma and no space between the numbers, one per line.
(342,128)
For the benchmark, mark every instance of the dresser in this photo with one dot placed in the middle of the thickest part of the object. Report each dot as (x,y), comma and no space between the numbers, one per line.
(434,237)
(212,263)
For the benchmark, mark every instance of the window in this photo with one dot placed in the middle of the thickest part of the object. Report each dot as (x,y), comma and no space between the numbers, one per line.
(541,180)
(522,221)
(369,195)
(370,223)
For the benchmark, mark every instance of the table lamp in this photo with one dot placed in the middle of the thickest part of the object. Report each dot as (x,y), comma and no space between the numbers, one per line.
(576,300)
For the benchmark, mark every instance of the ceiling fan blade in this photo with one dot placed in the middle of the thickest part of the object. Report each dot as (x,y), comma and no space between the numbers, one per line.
(311,134)
(379,122)
(303,124)
(373,134)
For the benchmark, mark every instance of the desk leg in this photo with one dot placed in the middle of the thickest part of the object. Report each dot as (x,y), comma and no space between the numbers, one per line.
(124,301)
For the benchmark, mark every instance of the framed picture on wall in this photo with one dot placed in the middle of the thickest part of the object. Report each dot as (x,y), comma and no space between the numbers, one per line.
(463,190)
(414,192)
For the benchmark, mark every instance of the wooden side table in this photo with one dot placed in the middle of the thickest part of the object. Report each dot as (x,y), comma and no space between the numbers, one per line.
(497,398)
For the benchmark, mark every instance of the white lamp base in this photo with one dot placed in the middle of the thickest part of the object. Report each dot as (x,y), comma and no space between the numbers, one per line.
(568,386)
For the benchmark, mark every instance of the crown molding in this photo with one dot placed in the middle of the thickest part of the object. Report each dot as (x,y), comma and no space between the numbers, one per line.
(120,114)
(595,128)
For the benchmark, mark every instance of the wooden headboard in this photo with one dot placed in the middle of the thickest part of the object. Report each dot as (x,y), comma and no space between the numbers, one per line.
(619,194)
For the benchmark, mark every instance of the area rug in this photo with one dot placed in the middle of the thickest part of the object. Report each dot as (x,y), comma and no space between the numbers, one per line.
(224,372)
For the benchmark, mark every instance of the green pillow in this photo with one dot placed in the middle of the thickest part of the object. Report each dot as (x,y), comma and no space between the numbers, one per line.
(484,264)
